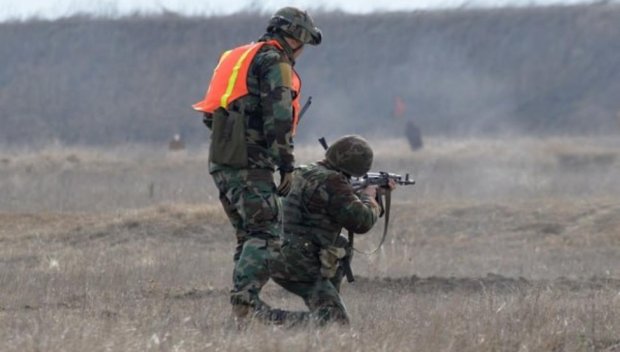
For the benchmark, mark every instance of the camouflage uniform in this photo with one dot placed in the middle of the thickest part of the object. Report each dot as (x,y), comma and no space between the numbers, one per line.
(248,193)
(320,203)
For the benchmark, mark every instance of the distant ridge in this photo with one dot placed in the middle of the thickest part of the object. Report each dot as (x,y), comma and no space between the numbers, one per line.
(543,70)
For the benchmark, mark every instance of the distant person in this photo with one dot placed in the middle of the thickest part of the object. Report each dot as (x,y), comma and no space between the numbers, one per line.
(320,204)
(412,131)
(414,136)
(252,107)
(176,143)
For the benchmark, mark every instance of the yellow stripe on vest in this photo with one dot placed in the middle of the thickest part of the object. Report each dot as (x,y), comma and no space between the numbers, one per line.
(224,55)
(233,78)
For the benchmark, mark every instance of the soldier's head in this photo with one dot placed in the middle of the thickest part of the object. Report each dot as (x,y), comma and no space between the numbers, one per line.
(350,154)
(295,26)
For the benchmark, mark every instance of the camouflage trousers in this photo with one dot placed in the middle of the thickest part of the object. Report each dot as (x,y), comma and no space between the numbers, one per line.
(299,272)
(249,199)
(321,295)
(322,299)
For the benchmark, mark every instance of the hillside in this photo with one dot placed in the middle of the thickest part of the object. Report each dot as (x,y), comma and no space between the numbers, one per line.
(528,70)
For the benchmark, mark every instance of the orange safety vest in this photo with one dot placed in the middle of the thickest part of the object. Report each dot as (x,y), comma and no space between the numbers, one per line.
(229,81)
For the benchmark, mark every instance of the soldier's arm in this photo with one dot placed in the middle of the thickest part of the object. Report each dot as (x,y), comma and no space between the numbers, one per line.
(355,213)
(277,109)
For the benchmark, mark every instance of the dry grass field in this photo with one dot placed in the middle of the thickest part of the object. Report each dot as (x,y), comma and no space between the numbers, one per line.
(502,245)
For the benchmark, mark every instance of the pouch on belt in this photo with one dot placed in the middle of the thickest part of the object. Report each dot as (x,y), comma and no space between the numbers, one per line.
(228,143)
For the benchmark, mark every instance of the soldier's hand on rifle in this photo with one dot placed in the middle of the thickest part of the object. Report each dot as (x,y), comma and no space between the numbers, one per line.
(286,180)
(370,190)
(390,186)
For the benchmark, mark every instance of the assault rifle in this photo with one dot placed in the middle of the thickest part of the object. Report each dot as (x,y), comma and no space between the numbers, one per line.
(382,180)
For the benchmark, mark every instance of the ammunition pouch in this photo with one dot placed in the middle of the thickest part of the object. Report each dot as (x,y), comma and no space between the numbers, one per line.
(330,258)
(228,144)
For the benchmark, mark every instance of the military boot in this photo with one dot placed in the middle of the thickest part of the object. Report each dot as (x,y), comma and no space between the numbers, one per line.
(241,308)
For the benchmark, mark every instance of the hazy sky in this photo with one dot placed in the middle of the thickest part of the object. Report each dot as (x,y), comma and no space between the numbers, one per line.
(59,8)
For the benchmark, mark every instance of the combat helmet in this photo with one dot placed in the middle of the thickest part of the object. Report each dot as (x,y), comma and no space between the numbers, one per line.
(295,23)
(351,154)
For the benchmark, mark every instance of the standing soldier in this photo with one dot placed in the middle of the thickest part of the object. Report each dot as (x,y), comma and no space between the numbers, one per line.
(252,107)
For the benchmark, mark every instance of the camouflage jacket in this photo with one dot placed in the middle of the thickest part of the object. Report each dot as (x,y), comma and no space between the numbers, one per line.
(321,202)
(268,109)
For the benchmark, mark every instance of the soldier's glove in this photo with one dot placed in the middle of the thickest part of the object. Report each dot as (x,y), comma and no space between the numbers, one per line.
(286,180)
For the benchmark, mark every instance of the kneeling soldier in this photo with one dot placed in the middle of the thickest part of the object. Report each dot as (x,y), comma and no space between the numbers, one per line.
(320,204)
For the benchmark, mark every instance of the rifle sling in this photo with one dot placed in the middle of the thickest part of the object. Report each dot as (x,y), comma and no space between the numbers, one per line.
(347,261)
(386,207)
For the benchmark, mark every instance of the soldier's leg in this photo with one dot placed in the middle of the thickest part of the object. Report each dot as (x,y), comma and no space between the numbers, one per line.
(325,303)
(229,185)
(282,274)
(286,318)
(251,273)
(237,222)
(322,299)
(258,206)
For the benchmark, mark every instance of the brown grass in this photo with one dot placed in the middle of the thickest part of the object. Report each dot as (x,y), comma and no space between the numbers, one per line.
(87,266)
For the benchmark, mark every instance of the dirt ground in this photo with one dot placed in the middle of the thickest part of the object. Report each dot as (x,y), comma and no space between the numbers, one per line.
(502,245)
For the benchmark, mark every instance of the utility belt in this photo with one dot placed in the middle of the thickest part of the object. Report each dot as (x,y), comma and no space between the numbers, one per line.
(299,242)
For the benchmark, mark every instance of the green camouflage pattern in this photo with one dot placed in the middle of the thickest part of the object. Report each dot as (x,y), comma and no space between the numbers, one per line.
(251,271)
(248,194)
(322,299)
(320,204)
(263,259)
(249,200)
(351,154)
(268,109)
